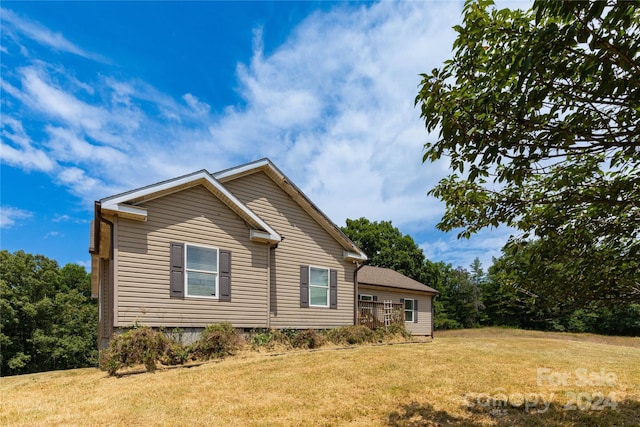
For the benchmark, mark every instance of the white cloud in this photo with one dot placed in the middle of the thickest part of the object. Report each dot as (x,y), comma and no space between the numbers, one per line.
(53,234)
(86,263)
(332,107)
(68,218)
(10,215)
(61,218)
(484,245)
(195,104)
(18,149)
(59,104)
(84,185)
(44,36)
(67,145)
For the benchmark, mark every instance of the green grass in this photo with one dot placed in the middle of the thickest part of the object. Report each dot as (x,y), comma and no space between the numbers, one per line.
(455,380)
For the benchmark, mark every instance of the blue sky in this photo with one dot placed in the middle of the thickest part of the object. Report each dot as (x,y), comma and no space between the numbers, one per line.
(103,97)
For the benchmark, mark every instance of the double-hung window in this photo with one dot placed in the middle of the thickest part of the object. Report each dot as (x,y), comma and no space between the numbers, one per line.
(318,287)
(409,308)
(201,271)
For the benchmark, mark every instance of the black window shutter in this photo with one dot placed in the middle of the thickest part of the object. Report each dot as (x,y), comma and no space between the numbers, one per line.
(375,297)
(333,289)
(176,278)
(415,311)
(224,283)
(304,286)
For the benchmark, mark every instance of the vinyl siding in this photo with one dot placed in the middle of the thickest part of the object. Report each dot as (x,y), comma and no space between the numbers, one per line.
(196,216)
(305,243)
(425,309)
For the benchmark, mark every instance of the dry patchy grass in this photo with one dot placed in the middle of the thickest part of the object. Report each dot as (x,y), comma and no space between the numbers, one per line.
(510,332)
(446,382)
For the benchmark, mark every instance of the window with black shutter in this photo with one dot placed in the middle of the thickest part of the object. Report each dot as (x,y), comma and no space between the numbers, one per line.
(199,271)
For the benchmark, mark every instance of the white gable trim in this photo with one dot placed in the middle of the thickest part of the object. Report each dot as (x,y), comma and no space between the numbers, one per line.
(242,170)
(125,204)
(129,211)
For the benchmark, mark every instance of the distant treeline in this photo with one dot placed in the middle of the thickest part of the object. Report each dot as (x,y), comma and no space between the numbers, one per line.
(48,320)
(519,290)
(471,298)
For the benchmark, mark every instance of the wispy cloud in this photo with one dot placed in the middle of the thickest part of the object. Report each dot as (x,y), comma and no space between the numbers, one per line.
(44,36)
(53,234)
(485,245)
(68,218)
(9,216)
(19,150)
(332,106)
(195,104)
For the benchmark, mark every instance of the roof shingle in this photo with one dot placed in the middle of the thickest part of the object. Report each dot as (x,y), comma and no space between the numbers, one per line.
(379,276)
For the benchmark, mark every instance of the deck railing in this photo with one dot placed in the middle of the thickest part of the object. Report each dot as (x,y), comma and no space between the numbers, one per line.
(372,313)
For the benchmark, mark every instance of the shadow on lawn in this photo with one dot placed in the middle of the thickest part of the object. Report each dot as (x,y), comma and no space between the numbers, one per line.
(627,413)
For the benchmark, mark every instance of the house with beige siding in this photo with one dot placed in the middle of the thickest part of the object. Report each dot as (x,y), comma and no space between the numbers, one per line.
(243,245)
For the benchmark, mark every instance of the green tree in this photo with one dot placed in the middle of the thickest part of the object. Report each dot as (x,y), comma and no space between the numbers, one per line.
(48,320)
(538,114)
(466,297)
(387,247)
(459,303)
(444,305)
(506,296)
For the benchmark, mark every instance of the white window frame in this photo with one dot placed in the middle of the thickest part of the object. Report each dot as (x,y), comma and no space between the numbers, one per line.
(320,287)
(412,310)
(215,273)
(369,297)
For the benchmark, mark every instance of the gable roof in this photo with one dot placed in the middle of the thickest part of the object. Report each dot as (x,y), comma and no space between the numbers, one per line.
(126,204)
(352,252)
(379,276)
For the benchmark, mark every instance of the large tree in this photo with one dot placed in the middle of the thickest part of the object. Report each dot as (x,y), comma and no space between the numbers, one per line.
(47,317)
(387,247)
(538,113)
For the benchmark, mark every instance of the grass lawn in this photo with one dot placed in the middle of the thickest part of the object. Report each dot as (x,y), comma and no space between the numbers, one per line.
(492,377)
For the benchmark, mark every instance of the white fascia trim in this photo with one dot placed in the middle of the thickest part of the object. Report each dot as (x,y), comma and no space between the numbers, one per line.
(128,211)
(114,203)
(242,169)
(155,188)
(352,256)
